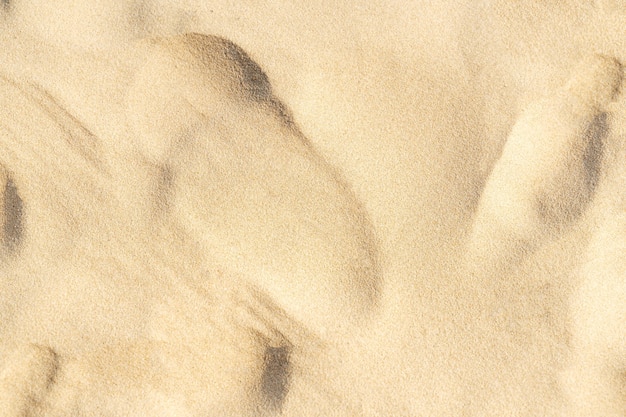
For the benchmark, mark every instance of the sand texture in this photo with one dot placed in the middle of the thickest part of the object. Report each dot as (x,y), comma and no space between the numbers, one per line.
(291,208)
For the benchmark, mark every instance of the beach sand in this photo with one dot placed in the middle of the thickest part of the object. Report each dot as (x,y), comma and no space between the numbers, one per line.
(311,208)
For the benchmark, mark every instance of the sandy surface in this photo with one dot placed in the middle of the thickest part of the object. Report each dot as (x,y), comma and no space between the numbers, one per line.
(312,209)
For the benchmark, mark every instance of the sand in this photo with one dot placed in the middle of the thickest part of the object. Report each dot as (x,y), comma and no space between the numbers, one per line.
(312,209)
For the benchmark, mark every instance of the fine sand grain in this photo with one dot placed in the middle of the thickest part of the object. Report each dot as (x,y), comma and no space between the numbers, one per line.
(291,208)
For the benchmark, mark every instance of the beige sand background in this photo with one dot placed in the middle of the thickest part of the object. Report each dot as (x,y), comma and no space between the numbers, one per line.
(459,306)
